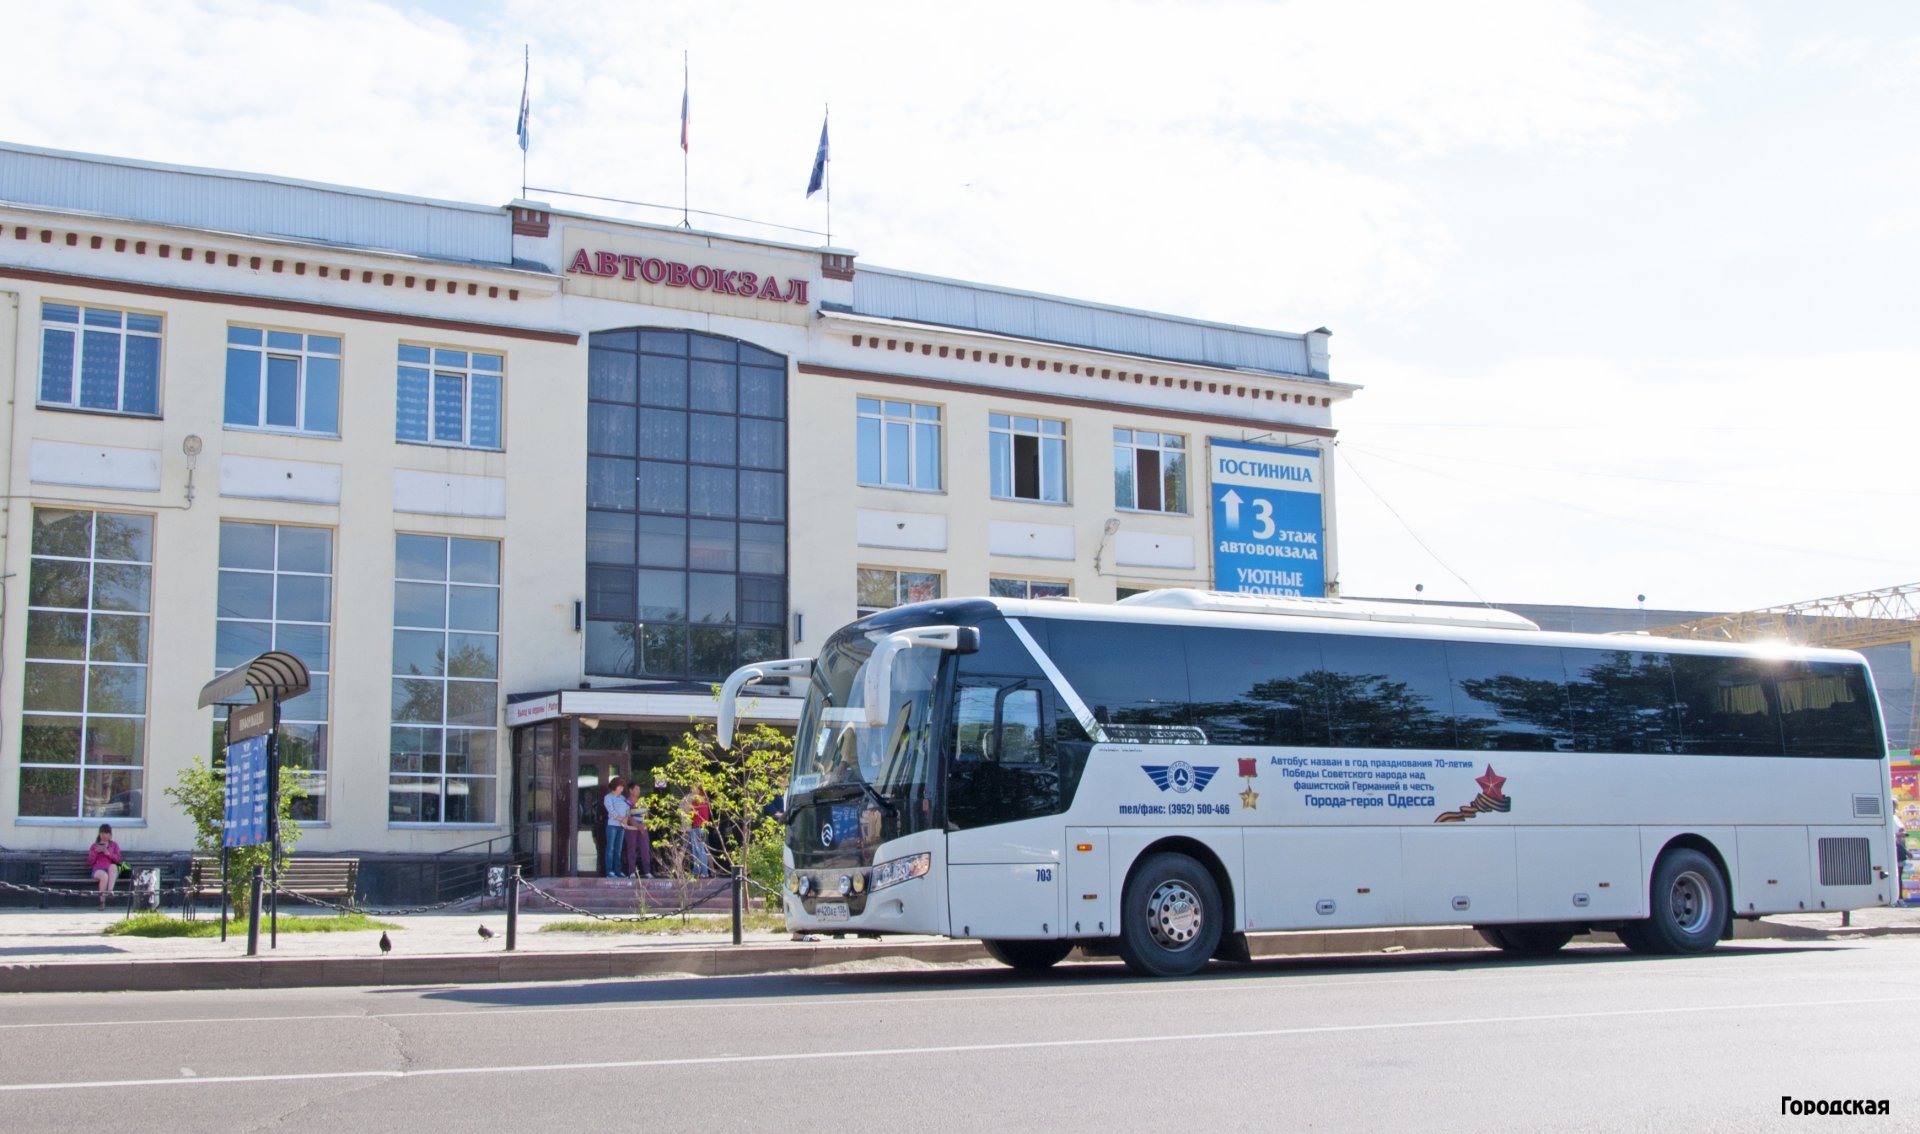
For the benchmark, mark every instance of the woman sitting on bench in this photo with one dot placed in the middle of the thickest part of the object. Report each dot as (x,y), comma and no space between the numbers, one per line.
(103,861)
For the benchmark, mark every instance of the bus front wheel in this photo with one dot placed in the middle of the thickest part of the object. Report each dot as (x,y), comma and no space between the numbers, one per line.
(1688,906)
(1028,956)
(1171,917)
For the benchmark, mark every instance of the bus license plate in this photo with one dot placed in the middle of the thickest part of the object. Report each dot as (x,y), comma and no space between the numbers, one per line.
(830,911)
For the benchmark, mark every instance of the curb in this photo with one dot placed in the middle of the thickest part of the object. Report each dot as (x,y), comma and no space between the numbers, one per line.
(709,960)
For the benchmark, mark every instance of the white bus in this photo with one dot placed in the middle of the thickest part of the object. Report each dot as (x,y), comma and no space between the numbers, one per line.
(1160,776)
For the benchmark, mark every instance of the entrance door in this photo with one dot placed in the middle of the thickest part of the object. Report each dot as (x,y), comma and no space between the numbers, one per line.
(592,772)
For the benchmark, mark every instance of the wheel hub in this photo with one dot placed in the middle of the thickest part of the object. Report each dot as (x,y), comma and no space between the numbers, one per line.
(1174,914)
(1692,902)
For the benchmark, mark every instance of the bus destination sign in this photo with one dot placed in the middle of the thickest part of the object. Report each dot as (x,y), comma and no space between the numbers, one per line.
(1268,526)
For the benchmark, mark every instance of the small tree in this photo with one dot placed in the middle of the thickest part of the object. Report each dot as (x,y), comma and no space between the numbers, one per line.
(202,794)
(739,783)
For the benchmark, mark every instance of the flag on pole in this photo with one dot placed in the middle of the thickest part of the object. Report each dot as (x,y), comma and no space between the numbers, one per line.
(683,113)
(819,177)
(522,129)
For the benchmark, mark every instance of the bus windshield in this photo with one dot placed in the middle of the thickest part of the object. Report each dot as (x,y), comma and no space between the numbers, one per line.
(836,746)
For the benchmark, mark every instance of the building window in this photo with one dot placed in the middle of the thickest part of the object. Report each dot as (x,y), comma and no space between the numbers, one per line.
(283,380)
(449,397)
(686,471)
(443,760)
(899,444)
(84,700)
(1027,588)
(880,588)
(1029,457)
(1149,471)
(96,358)
(276,593)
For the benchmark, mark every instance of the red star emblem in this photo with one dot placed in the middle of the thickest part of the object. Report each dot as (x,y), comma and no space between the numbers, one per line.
(1491,784)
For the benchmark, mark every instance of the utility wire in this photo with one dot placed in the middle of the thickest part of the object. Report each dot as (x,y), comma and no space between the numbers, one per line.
(670,208)
(1351,467)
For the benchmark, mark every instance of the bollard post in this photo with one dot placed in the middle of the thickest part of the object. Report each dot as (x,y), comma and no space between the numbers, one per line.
(253,913)
(513,906)
(1846,918)
(739,885)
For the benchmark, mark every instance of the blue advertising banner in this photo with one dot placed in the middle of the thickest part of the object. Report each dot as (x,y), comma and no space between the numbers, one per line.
(246,805)
(1268,526)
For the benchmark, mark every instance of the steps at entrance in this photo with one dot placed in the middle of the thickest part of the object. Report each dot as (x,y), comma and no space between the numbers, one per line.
(628,896)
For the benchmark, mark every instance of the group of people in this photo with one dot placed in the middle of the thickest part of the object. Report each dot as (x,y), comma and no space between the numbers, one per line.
(629,845)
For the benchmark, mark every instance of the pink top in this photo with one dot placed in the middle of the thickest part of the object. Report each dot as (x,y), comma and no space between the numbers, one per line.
(99,857)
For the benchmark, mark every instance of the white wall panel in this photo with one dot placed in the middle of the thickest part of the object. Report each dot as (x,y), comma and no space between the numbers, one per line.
(916,531)
(444,494)
(94,466)
(260,478)
(1146,549)
(1031,541)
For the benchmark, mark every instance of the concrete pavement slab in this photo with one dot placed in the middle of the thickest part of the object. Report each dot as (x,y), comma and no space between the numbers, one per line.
(65,951)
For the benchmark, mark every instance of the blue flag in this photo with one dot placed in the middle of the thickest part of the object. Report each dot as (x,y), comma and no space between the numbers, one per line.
(819,177)
(523,128)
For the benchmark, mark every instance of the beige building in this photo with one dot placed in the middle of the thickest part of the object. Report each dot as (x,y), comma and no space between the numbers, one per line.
(518,485)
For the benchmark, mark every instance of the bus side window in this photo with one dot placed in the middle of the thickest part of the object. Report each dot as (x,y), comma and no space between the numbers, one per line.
(1020,728)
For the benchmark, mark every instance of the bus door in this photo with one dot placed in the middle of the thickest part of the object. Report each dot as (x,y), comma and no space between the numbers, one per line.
(1003,800)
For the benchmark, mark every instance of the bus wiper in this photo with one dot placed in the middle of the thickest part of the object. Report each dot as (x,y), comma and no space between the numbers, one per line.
(877,797)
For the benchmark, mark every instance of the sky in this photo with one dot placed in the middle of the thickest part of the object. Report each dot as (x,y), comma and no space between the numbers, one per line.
(1628,287)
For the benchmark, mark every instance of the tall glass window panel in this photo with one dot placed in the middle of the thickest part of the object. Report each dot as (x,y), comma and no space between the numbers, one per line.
(1149,471)
(898,444)
(84,690)
(99,358)
(275,592)
(1027,457)
(284,381)
(446,666)
(449,397)
(709,447)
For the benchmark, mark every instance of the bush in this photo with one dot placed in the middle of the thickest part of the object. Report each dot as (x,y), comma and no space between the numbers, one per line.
(202,794)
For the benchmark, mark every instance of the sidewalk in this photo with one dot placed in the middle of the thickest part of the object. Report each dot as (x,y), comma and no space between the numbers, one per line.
(65,951)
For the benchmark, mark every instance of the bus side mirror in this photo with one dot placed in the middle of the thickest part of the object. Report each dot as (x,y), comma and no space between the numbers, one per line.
(877,681)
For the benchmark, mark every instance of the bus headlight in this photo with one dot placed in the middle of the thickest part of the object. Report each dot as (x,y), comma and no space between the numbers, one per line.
(793,882)
(899,870)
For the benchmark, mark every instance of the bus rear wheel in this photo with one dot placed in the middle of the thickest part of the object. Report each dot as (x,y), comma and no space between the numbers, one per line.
(1028,956)
(1688,906)
(1527,940)
(1171,917)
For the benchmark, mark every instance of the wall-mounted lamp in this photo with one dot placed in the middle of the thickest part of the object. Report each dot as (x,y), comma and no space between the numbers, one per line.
(579,609)
(799,624)
(589,722)
(190,445)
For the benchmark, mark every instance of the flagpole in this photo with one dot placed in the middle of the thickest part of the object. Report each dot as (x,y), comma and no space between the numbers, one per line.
(526,132)
(686,89)
(827,175)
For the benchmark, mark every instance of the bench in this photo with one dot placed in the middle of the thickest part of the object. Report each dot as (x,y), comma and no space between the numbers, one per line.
(68,871)
(334,879)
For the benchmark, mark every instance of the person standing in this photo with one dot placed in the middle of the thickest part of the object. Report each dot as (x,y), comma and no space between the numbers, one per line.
(103,861)
(617,809)
(639,854)
(699,814)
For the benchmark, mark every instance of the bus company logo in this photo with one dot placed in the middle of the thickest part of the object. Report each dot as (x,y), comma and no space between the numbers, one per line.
(826,833)
(1492,797)
(1179,776)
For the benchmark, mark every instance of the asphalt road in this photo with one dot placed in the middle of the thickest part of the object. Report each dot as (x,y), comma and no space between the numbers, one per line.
(1596,1039)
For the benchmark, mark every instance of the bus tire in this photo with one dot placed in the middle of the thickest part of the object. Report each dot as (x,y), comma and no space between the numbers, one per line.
(1687,903)
(1028,956)
(1171,917)
(1542,940)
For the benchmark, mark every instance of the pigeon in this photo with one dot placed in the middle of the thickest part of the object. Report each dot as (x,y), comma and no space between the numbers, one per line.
(386,946)
(486,934)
